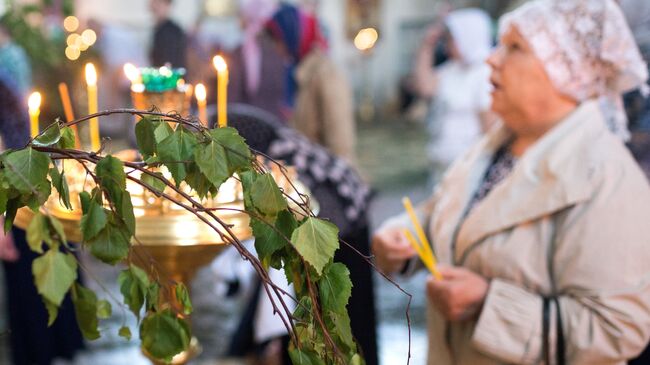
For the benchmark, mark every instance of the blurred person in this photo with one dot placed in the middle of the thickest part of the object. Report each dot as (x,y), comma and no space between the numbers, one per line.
(315,89)
(541,228)
(257,66)
(14,61)
(31,341)
(169,40)
(459,88)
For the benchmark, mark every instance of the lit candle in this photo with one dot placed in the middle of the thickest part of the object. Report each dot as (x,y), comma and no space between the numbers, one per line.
(34,103)
(69,113)
(200,93)
(222,89)
(133,74)
(91,81)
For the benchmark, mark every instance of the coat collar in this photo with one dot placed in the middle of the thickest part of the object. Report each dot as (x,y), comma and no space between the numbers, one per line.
(554,173)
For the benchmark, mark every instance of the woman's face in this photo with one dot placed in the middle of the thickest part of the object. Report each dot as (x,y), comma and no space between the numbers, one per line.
(523,95)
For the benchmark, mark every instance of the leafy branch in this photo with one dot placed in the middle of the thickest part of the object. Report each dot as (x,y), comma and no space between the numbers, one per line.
(198,161)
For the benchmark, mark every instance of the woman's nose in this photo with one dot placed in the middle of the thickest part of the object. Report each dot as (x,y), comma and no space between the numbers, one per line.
(495,58)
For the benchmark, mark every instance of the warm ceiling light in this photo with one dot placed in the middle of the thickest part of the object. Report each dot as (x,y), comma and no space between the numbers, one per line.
(366,39)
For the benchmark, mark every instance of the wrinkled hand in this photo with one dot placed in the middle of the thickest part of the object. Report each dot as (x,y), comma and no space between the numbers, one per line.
(391,249)
(8,251)
(460,295)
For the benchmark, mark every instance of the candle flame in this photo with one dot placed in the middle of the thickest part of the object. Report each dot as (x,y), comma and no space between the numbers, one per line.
(366,39)
(200,92)
(219,63)
(34,101)
(132,73)
(91,75)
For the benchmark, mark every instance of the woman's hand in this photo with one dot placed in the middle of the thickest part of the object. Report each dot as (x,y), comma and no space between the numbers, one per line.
(391,249)
(460,295)
(8,251)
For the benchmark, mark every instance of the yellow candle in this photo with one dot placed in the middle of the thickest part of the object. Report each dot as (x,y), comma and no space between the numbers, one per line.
(200,93)
(69,112)
(91,81)
(426,248)
(34,103)
(222,90)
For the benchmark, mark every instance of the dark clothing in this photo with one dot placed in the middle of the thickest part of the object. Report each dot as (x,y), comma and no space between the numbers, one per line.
(269,95)
(169,45)
(31,341)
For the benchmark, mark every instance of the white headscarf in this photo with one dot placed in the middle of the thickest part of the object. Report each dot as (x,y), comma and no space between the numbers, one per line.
(587,50)
(471,31)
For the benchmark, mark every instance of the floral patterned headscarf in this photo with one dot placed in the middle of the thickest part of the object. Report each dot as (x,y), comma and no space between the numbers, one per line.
(587,49)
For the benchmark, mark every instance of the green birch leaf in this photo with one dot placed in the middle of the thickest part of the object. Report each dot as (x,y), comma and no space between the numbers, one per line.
(175,151)
(61,185)
(28,168)
(161,130)
(110,172)
(316,241)
(266,196)
(145,137)
(183,297)
(155,183)
(302,357)
(37,232)
(52,312)
(111,245)
(134,284)
(104,309)
(58,229)
(67,141)
(269,240)
(51,135)
(335,288)
(94,219)
(4,197)
(85,199)
(85,309)
(339,326)
(125,211)
(152,294)
(38,196)
(54,272)
(197,181)
(164,335)
(238,155)
(10,213)
(247,179)
(211,160)
(125,332)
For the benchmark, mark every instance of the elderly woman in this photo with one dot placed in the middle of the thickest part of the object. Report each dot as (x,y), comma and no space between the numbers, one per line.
(542,227)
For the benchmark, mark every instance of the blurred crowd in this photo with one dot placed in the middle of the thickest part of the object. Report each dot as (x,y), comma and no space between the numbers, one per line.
(540,123)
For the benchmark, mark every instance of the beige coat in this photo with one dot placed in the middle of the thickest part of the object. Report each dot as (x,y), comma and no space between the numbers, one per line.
(575,208)
(324,105)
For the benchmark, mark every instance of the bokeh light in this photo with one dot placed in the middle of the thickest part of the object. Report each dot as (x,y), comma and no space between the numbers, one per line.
(366,39)
(89,37)
(72,52)
(71,23)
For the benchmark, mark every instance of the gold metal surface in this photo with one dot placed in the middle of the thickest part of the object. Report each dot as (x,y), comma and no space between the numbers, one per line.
(166,102)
